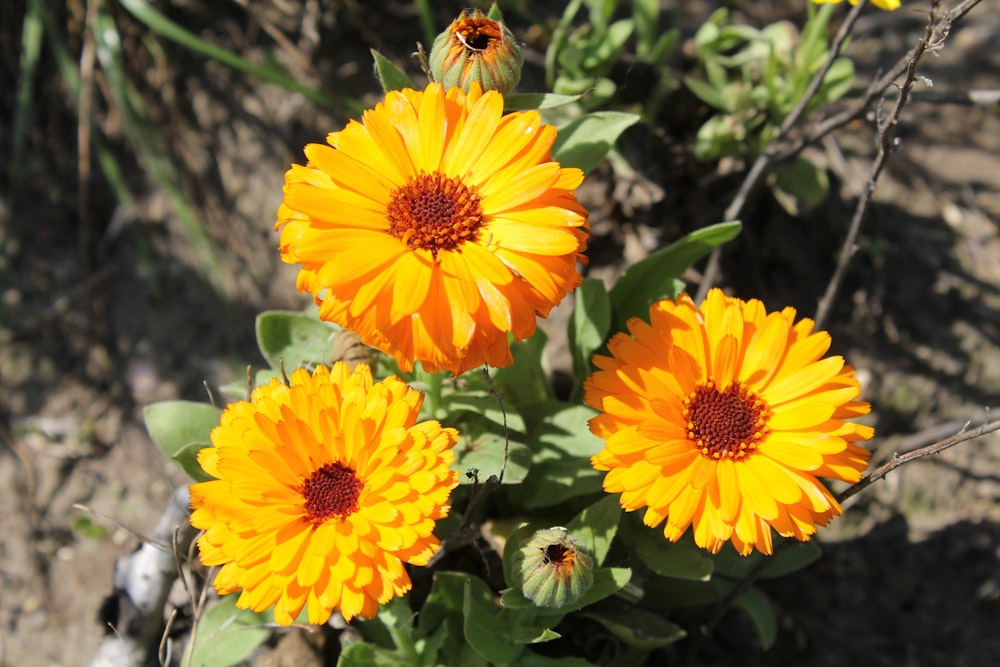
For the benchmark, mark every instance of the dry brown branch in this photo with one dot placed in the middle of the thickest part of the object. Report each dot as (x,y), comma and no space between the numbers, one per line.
(900,459)
(765,159)
(788,144)
(886,144)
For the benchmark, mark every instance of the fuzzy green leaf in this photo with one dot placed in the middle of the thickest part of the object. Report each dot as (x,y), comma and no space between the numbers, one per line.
(227,635)
(293,338)
(173,425)
(596,527)
(389,75)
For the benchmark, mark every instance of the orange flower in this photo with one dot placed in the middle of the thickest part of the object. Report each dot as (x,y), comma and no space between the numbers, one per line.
(723,418)
(323,490)
(436,226)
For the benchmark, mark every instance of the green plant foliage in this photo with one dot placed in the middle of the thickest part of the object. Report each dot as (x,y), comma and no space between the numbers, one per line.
(596,527)
(758,607)
(680,560)
(180,428)
(389,75)
(754,78)
(561,446)
(635,626)
(584,142)
(533,101)
(658,275)
(589,326)
(481,423)
(226,635)
(293,338)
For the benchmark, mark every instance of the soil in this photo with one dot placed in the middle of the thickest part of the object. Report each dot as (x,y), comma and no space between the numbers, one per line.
(107,308)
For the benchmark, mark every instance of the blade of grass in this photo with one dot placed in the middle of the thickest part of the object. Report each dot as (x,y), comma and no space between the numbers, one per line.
(32,34)
(31,45)
(109,164)
(150,145)
(159,23)
(426,22)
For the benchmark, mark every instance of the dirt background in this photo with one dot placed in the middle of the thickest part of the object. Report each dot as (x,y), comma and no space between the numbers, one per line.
(105,309)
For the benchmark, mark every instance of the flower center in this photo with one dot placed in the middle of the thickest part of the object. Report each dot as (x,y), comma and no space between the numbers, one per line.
(331,491)
(727,423)
(477,34)
(559,556)
(434,212)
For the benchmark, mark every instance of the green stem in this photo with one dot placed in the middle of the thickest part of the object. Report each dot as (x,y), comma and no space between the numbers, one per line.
(404,643)
(435,389)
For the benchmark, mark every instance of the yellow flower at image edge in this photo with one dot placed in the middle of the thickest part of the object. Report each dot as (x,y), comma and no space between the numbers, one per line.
(323,490)
(436,226)
(723,418)
(887,5)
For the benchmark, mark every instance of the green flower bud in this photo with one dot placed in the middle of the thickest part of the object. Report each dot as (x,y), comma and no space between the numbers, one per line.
(552,569)
(476,48)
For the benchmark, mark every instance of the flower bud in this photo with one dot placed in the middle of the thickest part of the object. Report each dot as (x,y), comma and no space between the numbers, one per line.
(552,568)
(476,48)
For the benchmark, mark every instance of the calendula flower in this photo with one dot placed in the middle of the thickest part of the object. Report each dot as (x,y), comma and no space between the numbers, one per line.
(324,488)
(476,48)
(724,418)
(887,5)
(553,569)
(436,226)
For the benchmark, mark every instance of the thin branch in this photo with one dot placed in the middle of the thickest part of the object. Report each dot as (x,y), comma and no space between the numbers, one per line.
(901,459)
(885,148)
(765,159)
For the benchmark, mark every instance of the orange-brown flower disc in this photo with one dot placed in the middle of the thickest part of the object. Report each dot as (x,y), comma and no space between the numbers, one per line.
(323,489)
(724,418)
(435,227)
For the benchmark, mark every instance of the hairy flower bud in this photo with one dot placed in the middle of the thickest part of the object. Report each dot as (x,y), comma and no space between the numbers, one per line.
(476,48)
(552,568)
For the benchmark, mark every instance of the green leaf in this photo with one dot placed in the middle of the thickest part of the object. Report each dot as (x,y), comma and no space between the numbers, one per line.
(596,527)
(483,632)
(589,325)
(667,593)
(227,635)
(363,654)
(443,608)
(706,92)
(790,557)
(481,423)
(658,276)
(173,425)
(562,445)
(584,142)
(526,380)
(389,75)
(761,612)
(799,186)
(635,626)
(532,635)
(187,458)
(680,560)
(297,339)
(532,659)
(533,101)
